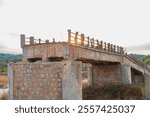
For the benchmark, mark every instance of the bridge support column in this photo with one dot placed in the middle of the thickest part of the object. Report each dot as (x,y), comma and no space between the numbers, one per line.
(89,70)
(147,85)
(71,84)
(126,74)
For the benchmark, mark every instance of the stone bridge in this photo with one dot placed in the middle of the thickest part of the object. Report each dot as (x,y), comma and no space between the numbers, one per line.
(55,70)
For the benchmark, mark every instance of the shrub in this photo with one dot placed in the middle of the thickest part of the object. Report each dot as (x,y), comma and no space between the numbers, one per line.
(3,80)
(113,92)
(4,96)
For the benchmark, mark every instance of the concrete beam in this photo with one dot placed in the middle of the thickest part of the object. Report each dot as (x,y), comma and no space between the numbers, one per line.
(22,40)
(126,74)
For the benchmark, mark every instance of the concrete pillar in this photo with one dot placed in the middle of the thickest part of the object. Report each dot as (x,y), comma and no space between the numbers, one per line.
(10,77)
(76,38)
(88,41)
(147,85)
(89,71)
(22,40)
(24,54)
(69,36)
(82,39)
(72,81)
(31,40)
(126,74)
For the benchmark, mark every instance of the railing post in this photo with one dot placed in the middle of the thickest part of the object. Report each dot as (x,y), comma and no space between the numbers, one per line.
(88,41)
(120,49)
(108,47)
(76,38)
(69,36)
(82,39)
(47,41)
(111,47)
(92,42)
(122,52)
(105,46)
(117,49)
(39,41)
(22,40)
(101,46)
(31,40)
(97,43)
(114,48)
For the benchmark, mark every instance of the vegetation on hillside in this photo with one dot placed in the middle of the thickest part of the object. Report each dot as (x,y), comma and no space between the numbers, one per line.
(143,58)
(7,58)
(138,56)
(146,59)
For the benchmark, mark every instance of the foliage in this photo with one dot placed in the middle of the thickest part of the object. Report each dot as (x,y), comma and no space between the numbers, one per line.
(138,56)
(146,59)
(113,92)
(4,96)
(3,79)
(7,58)
(3,69)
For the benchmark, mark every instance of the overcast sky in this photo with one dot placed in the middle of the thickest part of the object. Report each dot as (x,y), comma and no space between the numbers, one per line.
(121,22)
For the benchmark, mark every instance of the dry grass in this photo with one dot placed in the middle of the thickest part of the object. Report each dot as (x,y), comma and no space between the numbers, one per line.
(3,79)
(4,96)
(113,92)
(85,84)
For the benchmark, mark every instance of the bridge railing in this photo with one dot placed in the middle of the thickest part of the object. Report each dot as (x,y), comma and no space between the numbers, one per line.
(31,40)
(138,62)
(82,40)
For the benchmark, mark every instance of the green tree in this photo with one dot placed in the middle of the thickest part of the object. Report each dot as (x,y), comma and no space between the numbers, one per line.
(146,59)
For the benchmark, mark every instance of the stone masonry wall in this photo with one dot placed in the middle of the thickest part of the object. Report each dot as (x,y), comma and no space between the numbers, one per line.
(106,74)
(45,80)
(37,80)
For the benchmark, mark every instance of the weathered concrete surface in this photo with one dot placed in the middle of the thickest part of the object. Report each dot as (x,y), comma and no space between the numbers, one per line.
(72,81)
(126,74)
(130,62)
(89,74)
(103,74)
(63,50)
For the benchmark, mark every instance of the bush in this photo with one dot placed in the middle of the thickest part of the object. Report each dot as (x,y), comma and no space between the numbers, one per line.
(3,79)
(4,96)
(113,92)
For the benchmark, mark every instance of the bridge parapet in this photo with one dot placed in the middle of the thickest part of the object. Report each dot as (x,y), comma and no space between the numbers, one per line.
(82,40)
(31,40)
(137,62)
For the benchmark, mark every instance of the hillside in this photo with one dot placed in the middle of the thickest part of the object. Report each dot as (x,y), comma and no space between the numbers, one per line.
(138,56)
(7,58)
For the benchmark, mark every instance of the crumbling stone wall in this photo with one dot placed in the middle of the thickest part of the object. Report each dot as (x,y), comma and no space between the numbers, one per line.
(137,79)
(45,80)
(106,74)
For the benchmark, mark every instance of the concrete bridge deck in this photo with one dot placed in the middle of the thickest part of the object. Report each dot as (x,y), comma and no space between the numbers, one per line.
(58,51)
